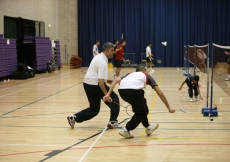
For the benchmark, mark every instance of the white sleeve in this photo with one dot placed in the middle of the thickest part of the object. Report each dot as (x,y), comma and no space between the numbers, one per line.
(146,51)
(94,48)
(102,71)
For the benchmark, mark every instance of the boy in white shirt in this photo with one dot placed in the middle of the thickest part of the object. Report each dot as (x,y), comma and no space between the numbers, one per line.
(95,48)
(149,57)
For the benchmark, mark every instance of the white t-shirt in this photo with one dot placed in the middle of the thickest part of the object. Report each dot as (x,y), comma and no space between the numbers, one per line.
(98,69)
(95,49)
(201,55)
(135,80)
(148,50)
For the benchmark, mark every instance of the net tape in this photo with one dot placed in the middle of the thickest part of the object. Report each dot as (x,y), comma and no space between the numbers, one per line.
(225,47)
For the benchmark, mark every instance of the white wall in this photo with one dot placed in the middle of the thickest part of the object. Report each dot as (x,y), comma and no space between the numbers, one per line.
(68,31)
(61,14)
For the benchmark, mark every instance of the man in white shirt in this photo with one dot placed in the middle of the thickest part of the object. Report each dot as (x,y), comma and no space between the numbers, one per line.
(201,60)
(131,91)
(95,89)
(95,48)
(149,57)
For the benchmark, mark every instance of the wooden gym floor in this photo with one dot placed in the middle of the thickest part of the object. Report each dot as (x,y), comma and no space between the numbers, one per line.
(33,125)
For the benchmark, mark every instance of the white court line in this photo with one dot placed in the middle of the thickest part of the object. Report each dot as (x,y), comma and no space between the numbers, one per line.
(4,89)
(52,81)
(56,79)
(88,150)
(47,77)
(14,92)
(32,145)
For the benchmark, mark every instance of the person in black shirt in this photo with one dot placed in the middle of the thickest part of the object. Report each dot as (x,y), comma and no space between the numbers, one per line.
(192,83)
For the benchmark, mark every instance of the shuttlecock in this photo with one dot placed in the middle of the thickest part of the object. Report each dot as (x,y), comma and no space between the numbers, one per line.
(220,99)
(164,43)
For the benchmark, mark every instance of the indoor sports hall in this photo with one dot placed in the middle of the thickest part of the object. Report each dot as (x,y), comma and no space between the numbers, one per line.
(49,48)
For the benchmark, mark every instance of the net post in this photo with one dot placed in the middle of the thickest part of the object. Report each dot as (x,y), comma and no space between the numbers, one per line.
(194,55)
(187,71)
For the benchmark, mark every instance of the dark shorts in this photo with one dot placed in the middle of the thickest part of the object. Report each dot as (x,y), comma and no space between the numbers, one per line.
(114,61)
(118,63)
(148,60)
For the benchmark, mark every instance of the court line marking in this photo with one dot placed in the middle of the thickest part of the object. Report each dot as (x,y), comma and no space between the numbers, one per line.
(58,79)
(39,100)
(152,106)
(82,140)
(89,149)
(34,79)
(3,89)
(13,92)
(122,146)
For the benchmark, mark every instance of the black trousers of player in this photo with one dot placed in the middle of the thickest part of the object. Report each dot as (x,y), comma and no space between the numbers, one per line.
(190,91)
(139,106)
(94,95)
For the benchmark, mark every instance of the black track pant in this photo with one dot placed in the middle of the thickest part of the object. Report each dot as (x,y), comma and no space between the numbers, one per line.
(139,106)
(190,91)
(94,95)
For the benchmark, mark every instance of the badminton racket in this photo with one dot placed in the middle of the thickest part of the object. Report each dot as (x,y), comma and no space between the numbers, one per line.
(185,110)
(158,61)
(126,107)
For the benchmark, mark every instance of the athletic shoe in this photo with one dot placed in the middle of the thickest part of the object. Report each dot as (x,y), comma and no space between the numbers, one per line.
(126,134)
(196,98)
(113,125)
(150,129)
(191,99)
(71,121)
(227,79)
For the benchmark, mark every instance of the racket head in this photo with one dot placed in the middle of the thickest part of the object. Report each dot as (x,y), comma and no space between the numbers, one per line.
(159,61)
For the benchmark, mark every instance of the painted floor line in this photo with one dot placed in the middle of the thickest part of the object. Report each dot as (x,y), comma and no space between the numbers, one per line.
(38,100)
(123,146)
(13,92)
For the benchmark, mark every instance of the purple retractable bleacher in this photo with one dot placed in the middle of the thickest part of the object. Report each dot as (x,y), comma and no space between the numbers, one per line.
(57,54)
(43,50)
(8,56)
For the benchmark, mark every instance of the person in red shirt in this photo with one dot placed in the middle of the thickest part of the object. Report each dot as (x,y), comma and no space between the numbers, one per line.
(119,59)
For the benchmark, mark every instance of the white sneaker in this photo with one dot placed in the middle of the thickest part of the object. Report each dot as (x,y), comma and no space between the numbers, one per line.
(196,98)
(150,129)
(191,99)
(71,120)
(113,125)
(227,79)
(125,134)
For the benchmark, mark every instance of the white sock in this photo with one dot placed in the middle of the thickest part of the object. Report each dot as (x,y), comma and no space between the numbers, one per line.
(125,129)
(149,127)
